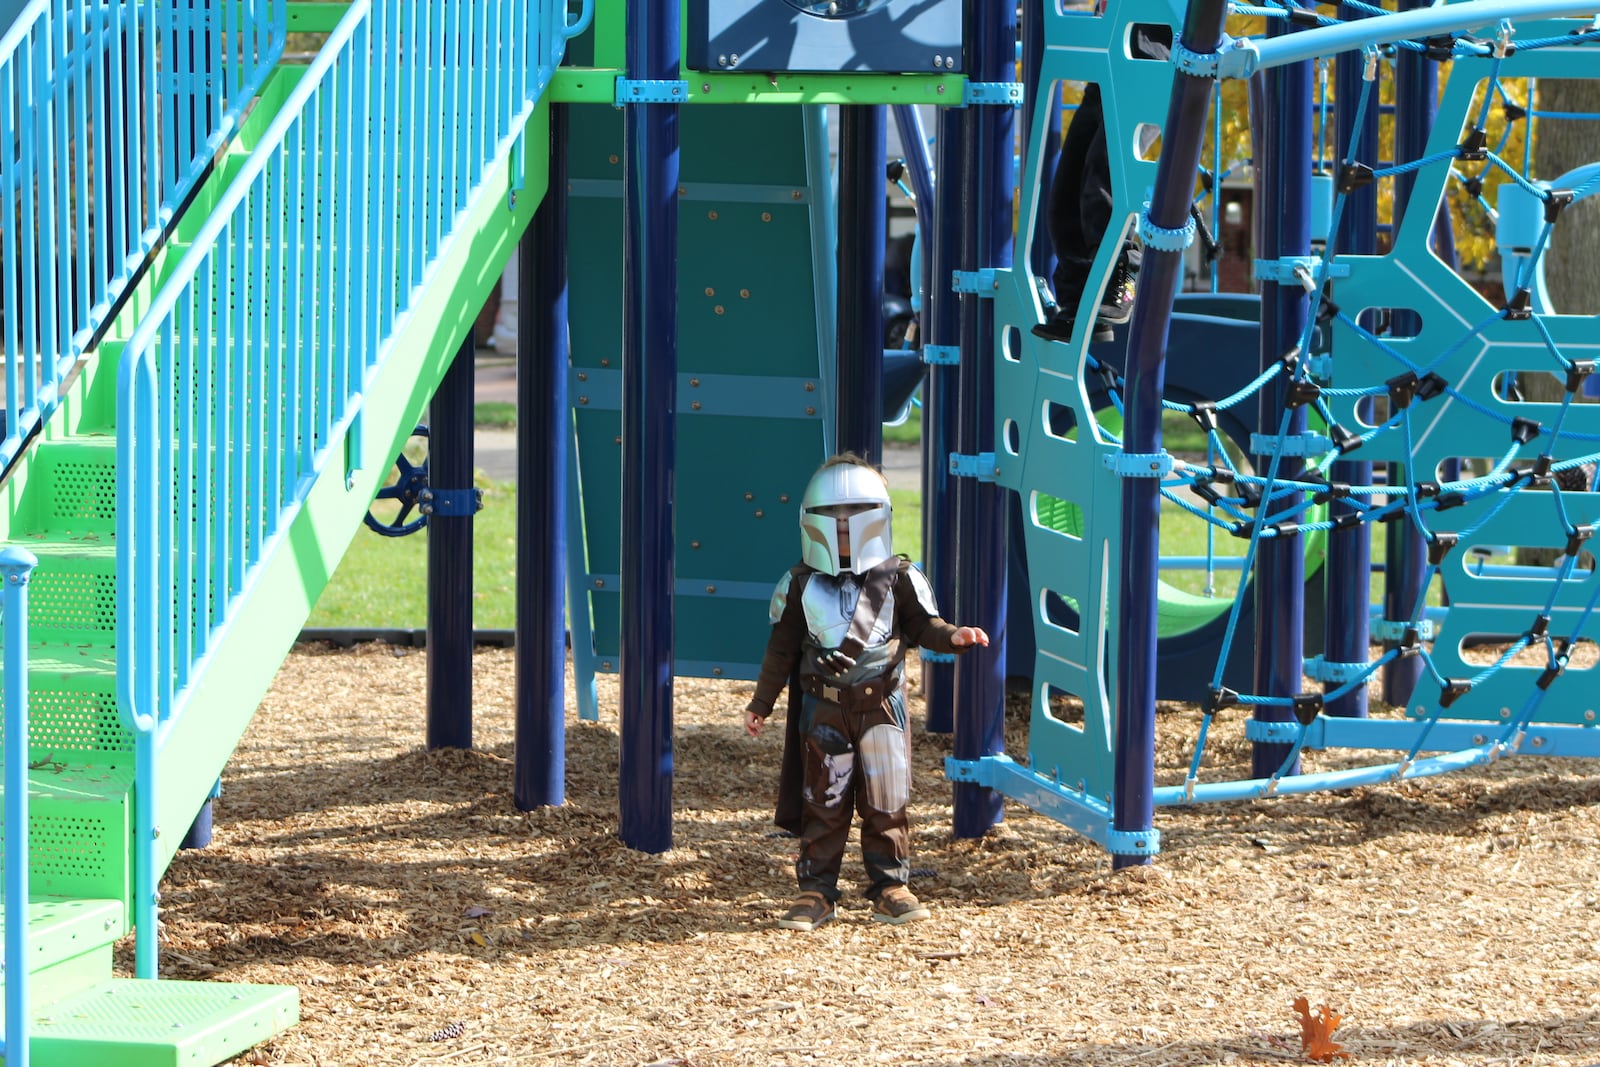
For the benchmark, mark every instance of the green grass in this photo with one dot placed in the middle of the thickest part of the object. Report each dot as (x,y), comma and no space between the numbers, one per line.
(497,414)
(908,432)
(382,583)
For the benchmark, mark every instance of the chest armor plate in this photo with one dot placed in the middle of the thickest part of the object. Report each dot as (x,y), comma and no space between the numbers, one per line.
(829,602)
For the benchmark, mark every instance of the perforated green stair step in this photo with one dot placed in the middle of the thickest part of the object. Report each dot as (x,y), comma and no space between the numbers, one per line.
(129,1022)
(72,595)
(69,944)
(79,819)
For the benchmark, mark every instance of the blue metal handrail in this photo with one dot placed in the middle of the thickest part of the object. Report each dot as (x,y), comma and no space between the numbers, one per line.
(16,566)
(109,115)
(253,359)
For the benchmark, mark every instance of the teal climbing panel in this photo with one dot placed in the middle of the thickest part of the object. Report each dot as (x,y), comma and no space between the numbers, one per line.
(755,342)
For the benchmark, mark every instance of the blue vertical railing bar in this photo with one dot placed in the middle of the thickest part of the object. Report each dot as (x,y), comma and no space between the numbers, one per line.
(983,507)
(16,567)
(270,245)
(1285,161)
(1133,797)
(91,178)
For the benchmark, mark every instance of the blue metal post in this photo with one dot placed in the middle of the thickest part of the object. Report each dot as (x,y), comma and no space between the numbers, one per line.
(199,835)
(16,567)
(982,507)
(649,447)
(450,559)
(1285,164)
(859,403)
(1133,800)
(1405,550)
(539,777)
(1349,567)
(940,396)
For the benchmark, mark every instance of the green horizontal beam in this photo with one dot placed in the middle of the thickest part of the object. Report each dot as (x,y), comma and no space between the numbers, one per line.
(597,85)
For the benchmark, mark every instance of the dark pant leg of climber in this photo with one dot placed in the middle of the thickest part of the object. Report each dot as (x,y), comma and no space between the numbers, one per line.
(1083,176)
(828,796)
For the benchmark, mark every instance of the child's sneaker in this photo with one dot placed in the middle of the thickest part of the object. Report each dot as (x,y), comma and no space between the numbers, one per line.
(809,911)
(1058,323)
(898,905)
(1116,303)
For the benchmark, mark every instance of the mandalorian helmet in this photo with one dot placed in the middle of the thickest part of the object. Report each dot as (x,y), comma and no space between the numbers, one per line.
(857,493)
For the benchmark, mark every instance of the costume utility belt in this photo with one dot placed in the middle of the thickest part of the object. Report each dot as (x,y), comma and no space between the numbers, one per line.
(866,694)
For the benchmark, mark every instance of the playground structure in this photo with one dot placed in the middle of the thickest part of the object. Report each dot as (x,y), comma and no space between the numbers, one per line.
(186,509)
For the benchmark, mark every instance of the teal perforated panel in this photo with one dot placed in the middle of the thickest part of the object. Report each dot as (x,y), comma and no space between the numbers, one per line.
(750,399)
(1073,560)
(1462,340)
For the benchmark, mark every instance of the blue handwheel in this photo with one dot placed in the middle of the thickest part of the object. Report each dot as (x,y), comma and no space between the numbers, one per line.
(409,482)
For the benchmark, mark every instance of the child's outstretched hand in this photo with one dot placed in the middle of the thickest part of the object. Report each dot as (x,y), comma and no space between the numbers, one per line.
(967,636)
(753,723)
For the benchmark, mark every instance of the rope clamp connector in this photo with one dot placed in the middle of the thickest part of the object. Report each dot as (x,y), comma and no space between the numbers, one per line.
(1298,270)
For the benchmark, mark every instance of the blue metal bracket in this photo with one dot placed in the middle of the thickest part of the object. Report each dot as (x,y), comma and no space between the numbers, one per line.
(1324,670)
(1298,270)
(1133,842)
(1309,443)
(1006,93)
(984,282)
(1138,464)
(941,355)
(450,503)
(1262,731)
(1395,629)
(644,91)
(980,466)
(930,656)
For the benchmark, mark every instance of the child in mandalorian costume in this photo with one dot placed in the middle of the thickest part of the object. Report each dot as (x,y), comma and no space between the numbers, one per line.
(841,620)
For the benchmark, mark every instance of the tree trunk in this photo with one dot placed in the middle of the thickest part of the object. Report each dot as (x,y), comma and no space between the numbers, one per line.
(1572,263)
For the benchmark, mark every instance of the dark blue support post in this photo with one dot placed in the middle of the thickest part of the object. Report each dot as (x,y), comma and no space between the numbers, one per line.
(1286,232)
(200,831)
(1405,549)
(862,232)
(649,444)
(1133,799)
(1041,254)
(450,557)
(539,777)
(940,396)
(1349,566)
(982,507)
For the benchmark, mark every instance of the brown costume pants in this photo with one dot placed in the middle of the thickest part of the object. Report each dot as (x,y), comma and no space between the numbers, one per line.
(858,760)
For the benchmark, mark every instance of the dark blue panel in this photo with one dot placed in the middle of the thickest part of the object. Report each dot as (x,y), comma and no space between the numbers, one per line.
(891,36)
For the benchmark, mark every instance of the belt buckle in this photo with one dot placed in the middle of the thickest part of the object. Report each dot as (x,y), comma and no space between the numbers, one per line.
(831,693)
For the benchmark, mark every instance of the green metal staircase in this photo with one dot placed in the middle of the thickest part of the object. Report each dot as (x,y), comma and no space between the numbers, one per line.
(60,502)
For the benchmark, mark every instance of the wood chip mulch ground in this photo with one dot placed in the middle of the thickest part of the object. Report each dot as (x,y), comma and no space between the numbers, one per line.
(425,920)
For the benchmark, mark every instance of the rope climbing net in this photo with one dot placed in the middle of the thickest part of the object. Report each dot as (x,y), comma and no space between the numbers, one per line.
(1297,492)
